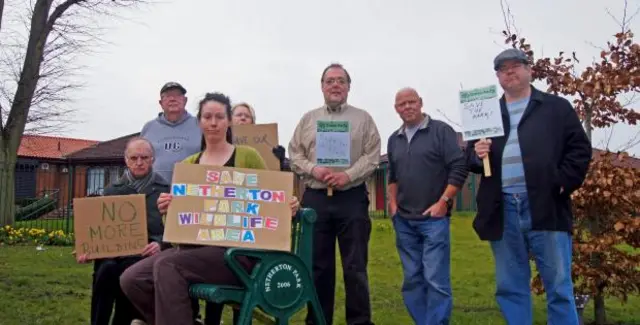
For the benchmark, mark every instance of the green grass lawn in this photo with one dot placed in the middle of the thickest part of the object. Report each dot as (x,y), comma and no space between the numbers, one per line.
(48,287)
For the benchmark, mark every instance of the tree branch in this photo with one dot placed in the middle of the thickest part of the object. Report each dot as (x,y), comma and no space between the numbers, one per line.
(609,137)
(509,19)
(447,118)
(58,12)
(1,12)
(633,141)
(626,18)
(42,64)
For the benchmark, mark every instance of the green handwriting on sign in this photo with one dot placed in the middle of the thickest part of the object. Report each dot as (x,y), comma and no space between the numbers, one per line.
(333,126)
(478,94)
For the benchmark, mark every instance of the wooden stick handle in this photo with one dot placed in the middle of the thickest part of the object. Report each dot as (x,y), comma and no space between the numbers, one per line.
(329,191)
(487,166)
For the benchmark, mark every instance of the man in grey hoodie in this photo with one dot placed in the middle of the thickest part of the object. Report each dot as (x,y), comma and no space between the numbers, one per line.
(175,133)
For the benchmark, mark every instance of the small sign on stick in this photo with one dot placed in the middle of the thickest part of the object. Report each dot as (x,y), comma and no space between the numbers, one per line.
(481,117)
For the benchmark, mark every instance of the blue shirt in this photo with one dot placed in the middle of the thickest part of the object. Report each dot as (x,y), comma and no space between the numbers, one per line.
(513,180)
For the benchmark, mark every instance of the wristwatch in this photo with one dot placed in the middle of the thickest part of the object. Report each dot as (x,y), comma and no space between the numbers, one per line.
(447,200)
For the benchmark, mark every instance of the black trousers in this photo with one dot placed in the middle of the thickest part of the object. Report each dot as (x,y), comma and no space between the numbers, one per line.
(106,292)
(343,217)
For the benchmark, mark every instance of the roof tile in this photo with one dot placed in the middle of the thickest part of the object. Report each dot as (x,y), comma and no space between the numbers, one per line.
(107,150)
(50,147)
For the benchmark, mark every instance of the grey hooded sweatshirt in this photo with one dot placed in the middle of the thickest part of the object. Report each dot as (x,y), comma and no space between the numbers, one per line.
(172,142)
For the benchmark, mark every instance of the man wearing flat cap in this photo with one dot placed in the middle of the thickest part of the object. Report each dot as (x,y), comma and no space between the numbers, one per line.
(525,206)
(174,133)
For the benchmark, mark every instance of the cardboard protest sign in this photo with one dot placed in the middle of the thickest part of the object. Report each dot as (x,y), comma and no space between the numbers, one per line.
(262,137)
(481,116)
(333,145)
(230,207)
(110,226)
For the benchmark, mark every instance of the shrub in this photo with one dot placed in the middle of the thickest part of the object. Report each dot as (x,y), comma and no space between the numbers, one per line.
(29,236)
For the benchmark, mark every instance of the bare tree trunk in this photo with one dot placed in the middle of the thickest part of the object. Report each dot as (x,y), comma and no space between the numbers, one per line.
(1,12)
(588,117)
(599,309)
(7,184)
(11,132)
(44,59)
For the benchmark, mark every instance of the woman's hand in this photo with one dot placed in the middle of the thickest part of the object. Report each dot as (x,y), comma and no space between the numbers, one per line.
(295,206)
(163,202)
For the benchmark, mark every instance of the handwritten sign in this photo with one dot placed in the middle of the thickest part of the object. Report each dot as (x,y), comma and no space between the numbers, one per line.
(262,137)
(333,144)
(110,226)
(231,207)
(481,116)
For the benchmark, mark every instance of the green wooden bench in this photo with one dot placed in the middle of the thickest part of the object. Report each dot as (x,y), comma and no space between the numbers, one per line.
(279,285)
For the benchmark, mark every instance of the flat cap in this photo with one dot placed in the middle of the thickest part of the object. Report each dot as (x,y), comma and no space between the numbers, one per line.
(509,55)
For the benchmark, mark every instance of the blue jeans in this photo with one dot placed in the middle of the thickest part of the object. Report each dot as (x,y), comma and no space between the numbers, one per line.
(552,253)
(425,251)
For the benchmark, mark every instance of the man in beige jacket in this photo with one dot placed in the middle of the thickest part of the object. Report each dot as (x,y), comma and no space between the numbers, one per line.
(343,211)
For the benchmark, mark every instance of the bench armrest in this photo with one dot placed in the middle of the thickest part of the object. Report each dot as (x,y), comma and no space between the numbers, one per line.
(306,217)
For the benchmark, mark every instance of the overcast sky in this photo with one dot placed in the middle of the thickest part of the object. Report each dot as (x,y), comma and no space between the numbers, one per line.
(270,53)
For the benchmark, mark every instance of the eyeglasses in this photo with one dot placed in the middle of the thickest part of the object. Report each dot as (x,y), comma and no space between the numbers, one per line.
(505,68)
(331,81)
(171,95)
(141,158)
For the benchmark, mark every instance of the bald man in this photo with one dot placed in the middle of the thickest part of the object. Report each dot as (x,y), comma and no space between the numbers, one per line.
(427,167)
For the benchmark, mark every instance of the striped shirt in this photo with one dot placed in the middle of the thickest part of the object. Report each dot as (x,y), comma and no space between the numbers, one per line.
(513,180)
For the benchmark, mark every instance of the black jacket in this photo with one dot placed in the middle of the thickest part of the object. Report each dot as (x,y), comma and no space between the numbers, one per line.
(555,153)
(155,226)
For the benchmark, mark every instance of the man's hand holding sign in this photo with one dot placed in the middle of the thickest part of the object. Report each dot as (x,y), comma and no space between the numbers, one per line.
(481,119)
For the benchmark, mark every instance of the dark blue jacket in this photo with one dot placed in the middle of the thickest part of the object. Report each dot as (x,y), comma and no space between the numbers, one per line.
(423,168)
(555,153)
(155,226)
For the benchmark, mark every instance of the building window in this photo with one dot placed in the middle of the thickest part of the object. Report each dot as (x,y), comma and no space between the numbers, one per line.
(114,174)
(95,180)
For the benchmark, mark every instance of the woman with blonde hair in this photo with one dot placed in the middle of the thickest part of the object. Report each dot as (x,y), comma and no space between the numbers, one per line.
(243,113)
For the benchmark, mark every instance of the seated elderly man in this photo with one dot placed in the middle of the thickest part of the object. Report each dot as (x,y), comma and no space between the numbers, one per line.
(138,178)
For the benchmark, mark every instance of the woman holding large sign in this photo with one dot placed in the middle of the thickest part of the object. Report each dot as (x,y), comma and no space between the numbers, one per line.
(244,114)
(158,286)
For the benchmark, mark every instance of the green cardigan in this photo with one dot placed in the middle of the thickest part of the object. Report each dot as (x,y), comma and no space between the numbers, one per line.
(246,157)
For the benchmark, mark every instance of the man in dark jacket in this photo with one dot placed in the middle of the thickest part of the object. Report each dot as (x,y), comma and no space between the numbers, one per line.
(426,169)
(525,206)
(138,178)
